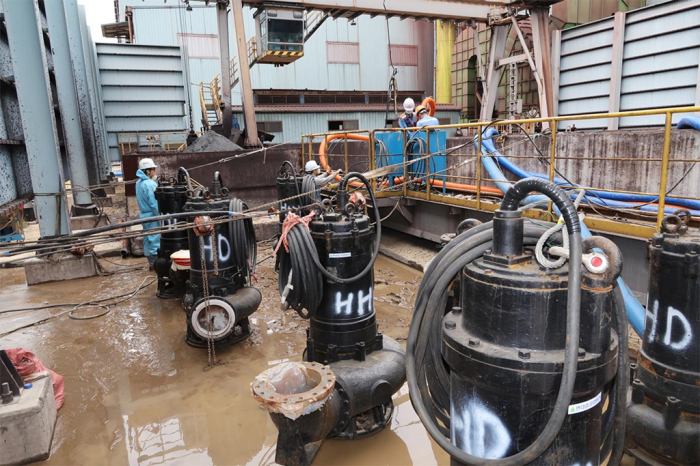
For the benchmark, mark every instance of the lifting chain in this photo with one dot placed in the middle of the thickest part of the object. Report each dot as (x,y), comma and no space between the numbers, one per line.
(211,350)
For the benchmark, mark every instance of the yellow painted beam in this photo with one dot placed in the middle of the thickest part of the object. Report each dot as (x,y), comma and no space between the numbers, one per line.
(443,66)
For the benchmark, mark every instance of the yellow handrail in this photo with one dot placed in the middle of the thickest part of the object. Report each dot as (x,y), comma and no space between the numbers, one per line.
(613,226)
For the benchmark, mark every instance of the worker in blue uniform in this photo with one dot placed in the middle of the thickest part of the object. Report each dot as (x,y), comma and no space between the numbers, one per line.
(424,118)
(408,119)
(146,197)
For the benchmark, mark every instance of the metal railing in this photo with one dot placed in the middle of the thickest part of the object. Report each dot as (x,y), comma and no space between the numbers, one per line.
(621,224)
(151,142)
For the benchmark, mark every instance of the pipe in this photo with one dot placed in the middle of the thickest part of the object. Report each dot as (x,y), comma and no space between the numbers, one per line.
(608,198)
(689,122)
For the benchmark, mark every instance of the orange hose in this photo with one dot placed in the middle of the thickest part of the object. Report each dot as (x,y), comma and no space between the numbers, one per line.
(437,183)
(430,104)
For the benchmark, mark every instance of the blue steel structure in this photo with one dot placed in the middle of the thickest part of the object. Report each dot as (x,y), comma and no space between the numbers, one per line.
(29,60)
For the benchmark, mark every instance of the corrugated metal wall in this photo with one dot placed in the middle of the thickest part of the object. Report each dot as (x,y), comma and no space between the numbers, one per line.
(294,125)
(159,24)
(660,64)
(143,90)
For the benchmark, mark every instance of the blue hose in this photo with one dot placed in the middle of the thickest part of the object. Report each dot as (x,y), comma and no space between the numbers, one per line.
(602,198)
(636,313)
(689,122)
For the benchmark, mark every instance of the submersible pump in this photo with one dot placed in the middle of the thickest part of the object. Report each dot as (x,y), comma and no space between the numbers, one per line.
(171,196)
(528,364)
(344,387)
(222,258)
(663,417)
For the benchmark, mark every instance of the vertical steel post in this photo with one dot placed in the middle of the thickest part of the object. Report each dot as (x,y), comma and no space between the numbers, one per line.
(346,153)
(372,161)
(68,101)
(95,91)
(478,171)
(224,57)
(552,156)
(303,151)
(244,69)
(406,173)
(26,41)
(77,57)
(664,170)
(427,163)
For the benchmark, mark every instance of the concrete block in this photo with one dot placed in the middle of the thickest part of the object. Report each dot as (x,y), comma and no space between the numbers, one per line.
(66,267)
(27,425)
(87,222)
(266,228)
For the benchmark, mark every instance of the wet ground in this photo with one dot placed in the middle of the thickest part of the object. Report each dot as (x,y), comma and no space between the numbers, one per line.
(136,394)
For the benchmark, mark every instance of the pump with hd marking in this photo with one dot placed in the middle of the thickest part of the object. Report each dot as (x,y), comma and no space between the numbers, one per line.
(222,258)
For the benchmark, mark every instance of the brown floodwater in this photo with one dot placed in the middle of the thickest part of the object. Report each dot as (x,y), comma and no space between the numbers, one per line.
(136,394)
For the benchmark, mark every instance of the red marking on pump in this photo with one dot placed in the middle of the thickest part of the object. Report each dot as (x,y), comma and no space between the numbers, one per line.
(596,261)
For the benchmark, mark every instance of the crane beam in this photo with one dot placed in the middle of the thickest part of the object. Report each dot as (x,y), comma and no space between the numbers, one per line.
(433,9)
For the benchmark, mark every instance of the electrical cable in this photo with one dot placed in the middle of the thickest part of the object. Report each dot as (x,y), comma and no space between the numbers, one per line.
(245,246)
(428,312)
(75,306)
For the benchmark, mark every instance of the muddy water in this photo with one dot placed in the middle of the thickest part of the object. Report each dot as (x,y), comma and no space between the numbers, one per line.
(136,394)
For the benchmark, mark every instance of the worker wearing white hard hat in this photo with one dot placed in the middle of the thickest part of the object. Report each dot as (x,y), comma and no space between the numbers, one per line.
(146,198)
(409,118)
(314,169)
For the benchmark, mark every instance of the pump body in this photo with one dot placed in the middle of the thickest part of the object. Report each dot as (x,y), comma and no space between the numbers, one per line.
(663,423)
(171,196)
(329,269)
(219,298)
(505,350)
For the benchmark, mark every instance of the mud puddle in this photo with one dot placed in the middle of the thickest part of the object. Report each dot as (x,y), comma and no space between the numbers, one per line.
(136,394)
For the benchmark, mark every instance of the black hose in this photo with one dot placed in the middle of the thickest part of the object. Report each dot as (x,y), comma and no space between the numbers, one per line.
(470,248)
(310,190)
(623,376)
(294,175)
(183,171)
(302,259)
(242,232)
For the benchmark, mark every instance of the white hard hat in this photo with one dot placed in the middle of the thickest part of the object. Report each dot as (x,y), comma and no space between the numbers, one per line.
(146,163)
(311,166)
(409,105)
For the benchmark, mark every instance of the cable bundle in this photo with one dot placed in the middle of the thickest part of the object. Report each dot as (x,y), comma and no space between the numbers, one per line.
(244,245)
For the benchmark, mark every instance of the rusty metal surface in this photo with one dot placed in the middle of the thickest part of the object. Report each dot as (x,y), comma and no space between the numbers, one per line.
(250,178)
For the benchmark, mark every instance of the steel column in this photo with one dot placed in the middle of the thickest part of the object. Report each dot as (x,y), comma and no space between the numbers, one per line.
(618,47)
(26,41)
(8,185)
(224,59)
(101,146)
(68,100)
(75,41)
(541,85)
(251,127)
(497,46)
(540,37)
(443,70)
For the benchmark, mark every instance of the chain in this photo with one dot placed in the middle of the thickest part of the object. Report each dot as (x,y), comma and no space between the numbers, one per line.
(214,252)
(211,356)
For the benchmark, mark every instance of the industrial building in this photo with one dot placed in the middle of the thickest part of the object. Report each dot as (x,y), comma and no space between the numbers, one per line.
(350,232)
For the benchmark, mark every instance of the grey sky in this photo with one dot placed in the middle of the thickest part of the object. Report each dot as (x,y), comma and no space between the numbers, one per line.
(97,13)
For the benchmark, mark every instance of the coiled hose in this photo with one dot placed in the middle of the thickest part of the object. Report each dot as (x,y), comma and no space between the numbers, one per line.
(300,271)
(429,379)
(242,232)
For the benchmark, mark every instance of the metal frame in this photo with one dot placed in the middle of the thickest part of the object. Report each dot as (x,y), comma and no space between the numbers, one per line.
(26,40)
(596,223)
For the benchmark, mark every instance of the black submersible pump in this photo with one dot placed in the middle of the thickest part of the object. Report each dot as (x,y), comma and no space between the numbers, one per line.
(171,196)
(222,259)
(663,417)
(344,387)
(528,364)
